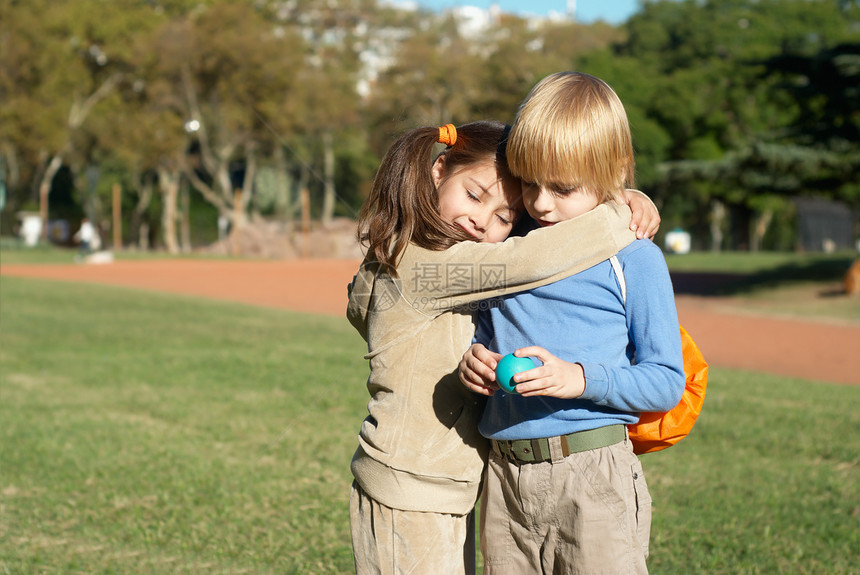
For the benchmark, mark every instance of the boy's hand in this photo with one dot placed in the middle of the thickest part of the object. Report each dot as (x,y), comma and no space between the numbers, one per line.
(478,369)
(555,378)
(646,219)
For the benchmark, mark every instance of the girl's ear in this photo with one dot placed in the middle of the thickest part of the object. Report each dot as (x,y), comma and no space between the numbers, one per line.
(438,170)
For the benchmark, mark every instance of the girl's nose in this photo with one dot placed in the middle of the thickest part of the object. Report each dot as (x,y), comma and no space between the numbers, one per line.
(481,219)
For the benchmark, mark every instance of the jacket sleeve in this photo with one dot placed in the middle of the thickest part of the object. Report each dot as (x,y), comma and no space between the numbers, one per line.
(656,381)
(436,281)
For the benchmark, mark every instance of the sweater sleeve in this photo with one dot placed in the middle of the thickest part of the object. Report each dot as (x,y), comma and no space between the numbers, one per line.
(436,281)
(656,381)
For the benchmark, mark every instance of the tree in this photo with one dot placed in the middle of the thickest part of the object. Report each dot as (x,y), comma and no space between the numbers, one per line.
(326,102)
(718,103)
(233,75)
(61,60)
(431,82)
(821,144)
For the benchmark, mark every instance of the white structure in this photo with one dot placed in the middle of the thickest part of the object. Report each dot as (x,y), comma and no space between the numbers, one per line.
(31,227)
(678,241)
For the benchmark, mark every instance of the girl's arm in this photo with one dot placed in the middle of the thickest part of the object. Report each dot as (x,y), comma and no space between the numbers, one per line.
(436,281)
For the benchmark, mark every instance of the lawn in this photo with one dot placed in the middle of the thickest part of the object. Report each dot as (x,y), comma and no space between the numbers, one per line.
(152,433)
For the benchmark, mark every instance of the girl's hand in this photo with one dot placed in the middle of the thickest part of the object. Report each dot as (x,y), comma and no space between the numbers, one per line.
(555,378)
(478,369)
(646,219)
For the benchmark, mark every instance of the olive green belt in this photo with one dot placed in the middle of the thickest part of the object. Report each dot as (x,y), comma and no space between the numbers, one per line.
(536,450)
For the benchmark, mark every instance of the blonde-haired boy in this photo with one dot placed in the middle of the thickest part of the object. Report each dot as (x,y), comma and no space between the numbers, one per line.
(563,491)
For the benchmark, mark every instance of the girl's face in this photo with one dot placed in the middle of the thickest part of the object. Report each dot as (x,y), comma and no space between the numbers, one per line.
(477,201)
(549,205)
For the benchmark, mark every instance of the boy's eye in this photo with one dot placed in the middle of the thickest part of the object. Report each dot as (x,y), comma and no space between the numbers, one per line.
(472,196)
(564,191)
(503,219)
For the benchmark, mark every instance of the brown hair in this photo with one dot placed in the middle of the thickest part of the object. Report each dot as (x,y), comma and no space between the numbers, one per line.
(571,131)
(403,206)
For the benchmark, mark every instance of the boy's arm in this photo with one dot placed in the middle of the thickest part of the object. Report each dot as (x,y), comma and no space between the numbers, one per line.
(656,382)
(469,271)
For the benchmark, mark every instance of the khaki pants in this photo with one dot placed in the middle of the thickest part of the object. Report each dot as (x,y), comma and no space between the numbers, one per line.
(587,513)
(390,541)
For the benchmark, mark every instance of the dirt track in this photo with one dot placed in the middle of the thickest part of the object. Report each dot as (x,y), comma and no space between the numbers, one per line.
(805,349)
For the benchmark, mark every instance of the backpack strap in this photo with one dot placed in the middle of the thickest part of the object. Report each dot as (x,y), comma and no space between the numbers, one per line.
(622,283)
(656,431)
(619,273)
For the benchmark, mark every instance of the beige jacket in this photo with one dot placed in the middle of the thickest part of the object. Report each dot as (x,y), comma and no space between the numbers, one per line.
(419,448)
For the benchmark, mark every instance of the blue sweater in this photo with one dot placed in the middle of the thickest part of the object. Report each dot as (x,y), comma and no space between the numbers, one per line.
(631,354)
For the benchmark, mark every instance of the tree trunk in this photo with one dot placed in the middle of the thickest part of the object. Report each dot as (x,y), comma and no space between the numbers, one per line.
(45,190)
(328,175)
(718,216)
(762,222)
(250,175)
(185,220)
(168,182)
(10,174)
(283,203)
(144,197)
(143,236)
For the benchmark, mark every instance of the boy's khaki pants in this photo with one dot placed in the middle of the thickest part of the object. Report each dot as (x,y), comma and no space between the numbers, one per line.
(589,512)
(390,541)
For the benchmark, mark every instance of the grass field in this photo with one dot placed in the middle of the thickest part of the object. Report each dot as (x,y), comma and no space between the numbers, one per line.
(150,433)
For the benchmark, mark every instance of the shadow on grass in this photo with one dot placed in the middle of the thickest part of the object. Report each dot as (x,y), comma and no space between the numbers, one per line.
(729,284)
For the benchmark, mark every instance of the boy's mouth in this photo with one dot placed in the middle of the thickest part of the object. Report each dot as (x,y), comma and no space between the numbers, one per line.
(545,224)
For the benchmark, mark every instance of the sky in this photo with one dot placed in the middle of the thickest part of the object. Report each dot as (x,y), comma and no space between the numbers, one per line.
(612,11)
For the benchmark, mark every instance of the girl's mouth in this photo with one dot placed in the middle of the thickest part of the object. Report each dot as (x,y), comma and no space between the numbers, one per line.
(545,224)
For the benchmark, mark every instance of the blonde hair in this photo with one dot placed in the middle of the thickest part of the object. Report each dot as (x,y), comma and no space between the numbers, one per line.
(572,131)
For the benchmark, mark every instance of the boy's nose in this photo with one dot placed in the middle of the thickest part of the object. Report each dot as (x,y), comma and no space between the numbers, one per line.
(542,201)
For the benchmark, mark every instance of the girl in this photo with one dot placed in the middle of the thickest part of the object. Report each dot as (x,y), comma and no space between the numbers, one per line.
(431,226)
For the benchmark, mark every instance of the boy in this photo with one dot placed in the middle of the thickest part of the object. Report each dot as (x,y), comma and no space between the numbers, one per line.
(563,491)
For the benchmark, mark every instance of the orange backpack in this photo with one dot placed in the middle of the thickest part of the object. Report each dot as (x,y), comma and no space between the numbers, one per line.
(656,431)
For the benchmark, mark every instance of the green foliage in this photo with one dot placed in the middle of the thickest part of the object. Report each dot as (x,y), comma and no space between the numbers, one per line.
(728,100)
(736,82)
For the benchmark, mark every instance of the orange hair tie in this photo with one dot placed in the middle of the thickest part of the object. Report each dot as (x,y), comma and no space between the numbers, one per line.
(447,134)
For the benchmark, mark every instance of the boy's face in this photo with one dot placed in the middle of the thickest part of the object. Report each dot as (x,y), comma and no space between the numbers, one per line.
(478,201)
(550,205)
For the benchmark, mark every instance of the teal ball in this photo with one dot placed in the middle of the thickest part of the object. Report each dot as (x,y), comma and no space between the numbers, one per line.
(508,367)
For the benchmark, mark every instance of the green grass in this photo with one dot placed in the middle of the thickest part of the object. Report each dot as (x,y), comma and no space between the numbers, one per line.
(775,283)
(766,483)
(780,264)
(157,434)
(13,251)
(146,433)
